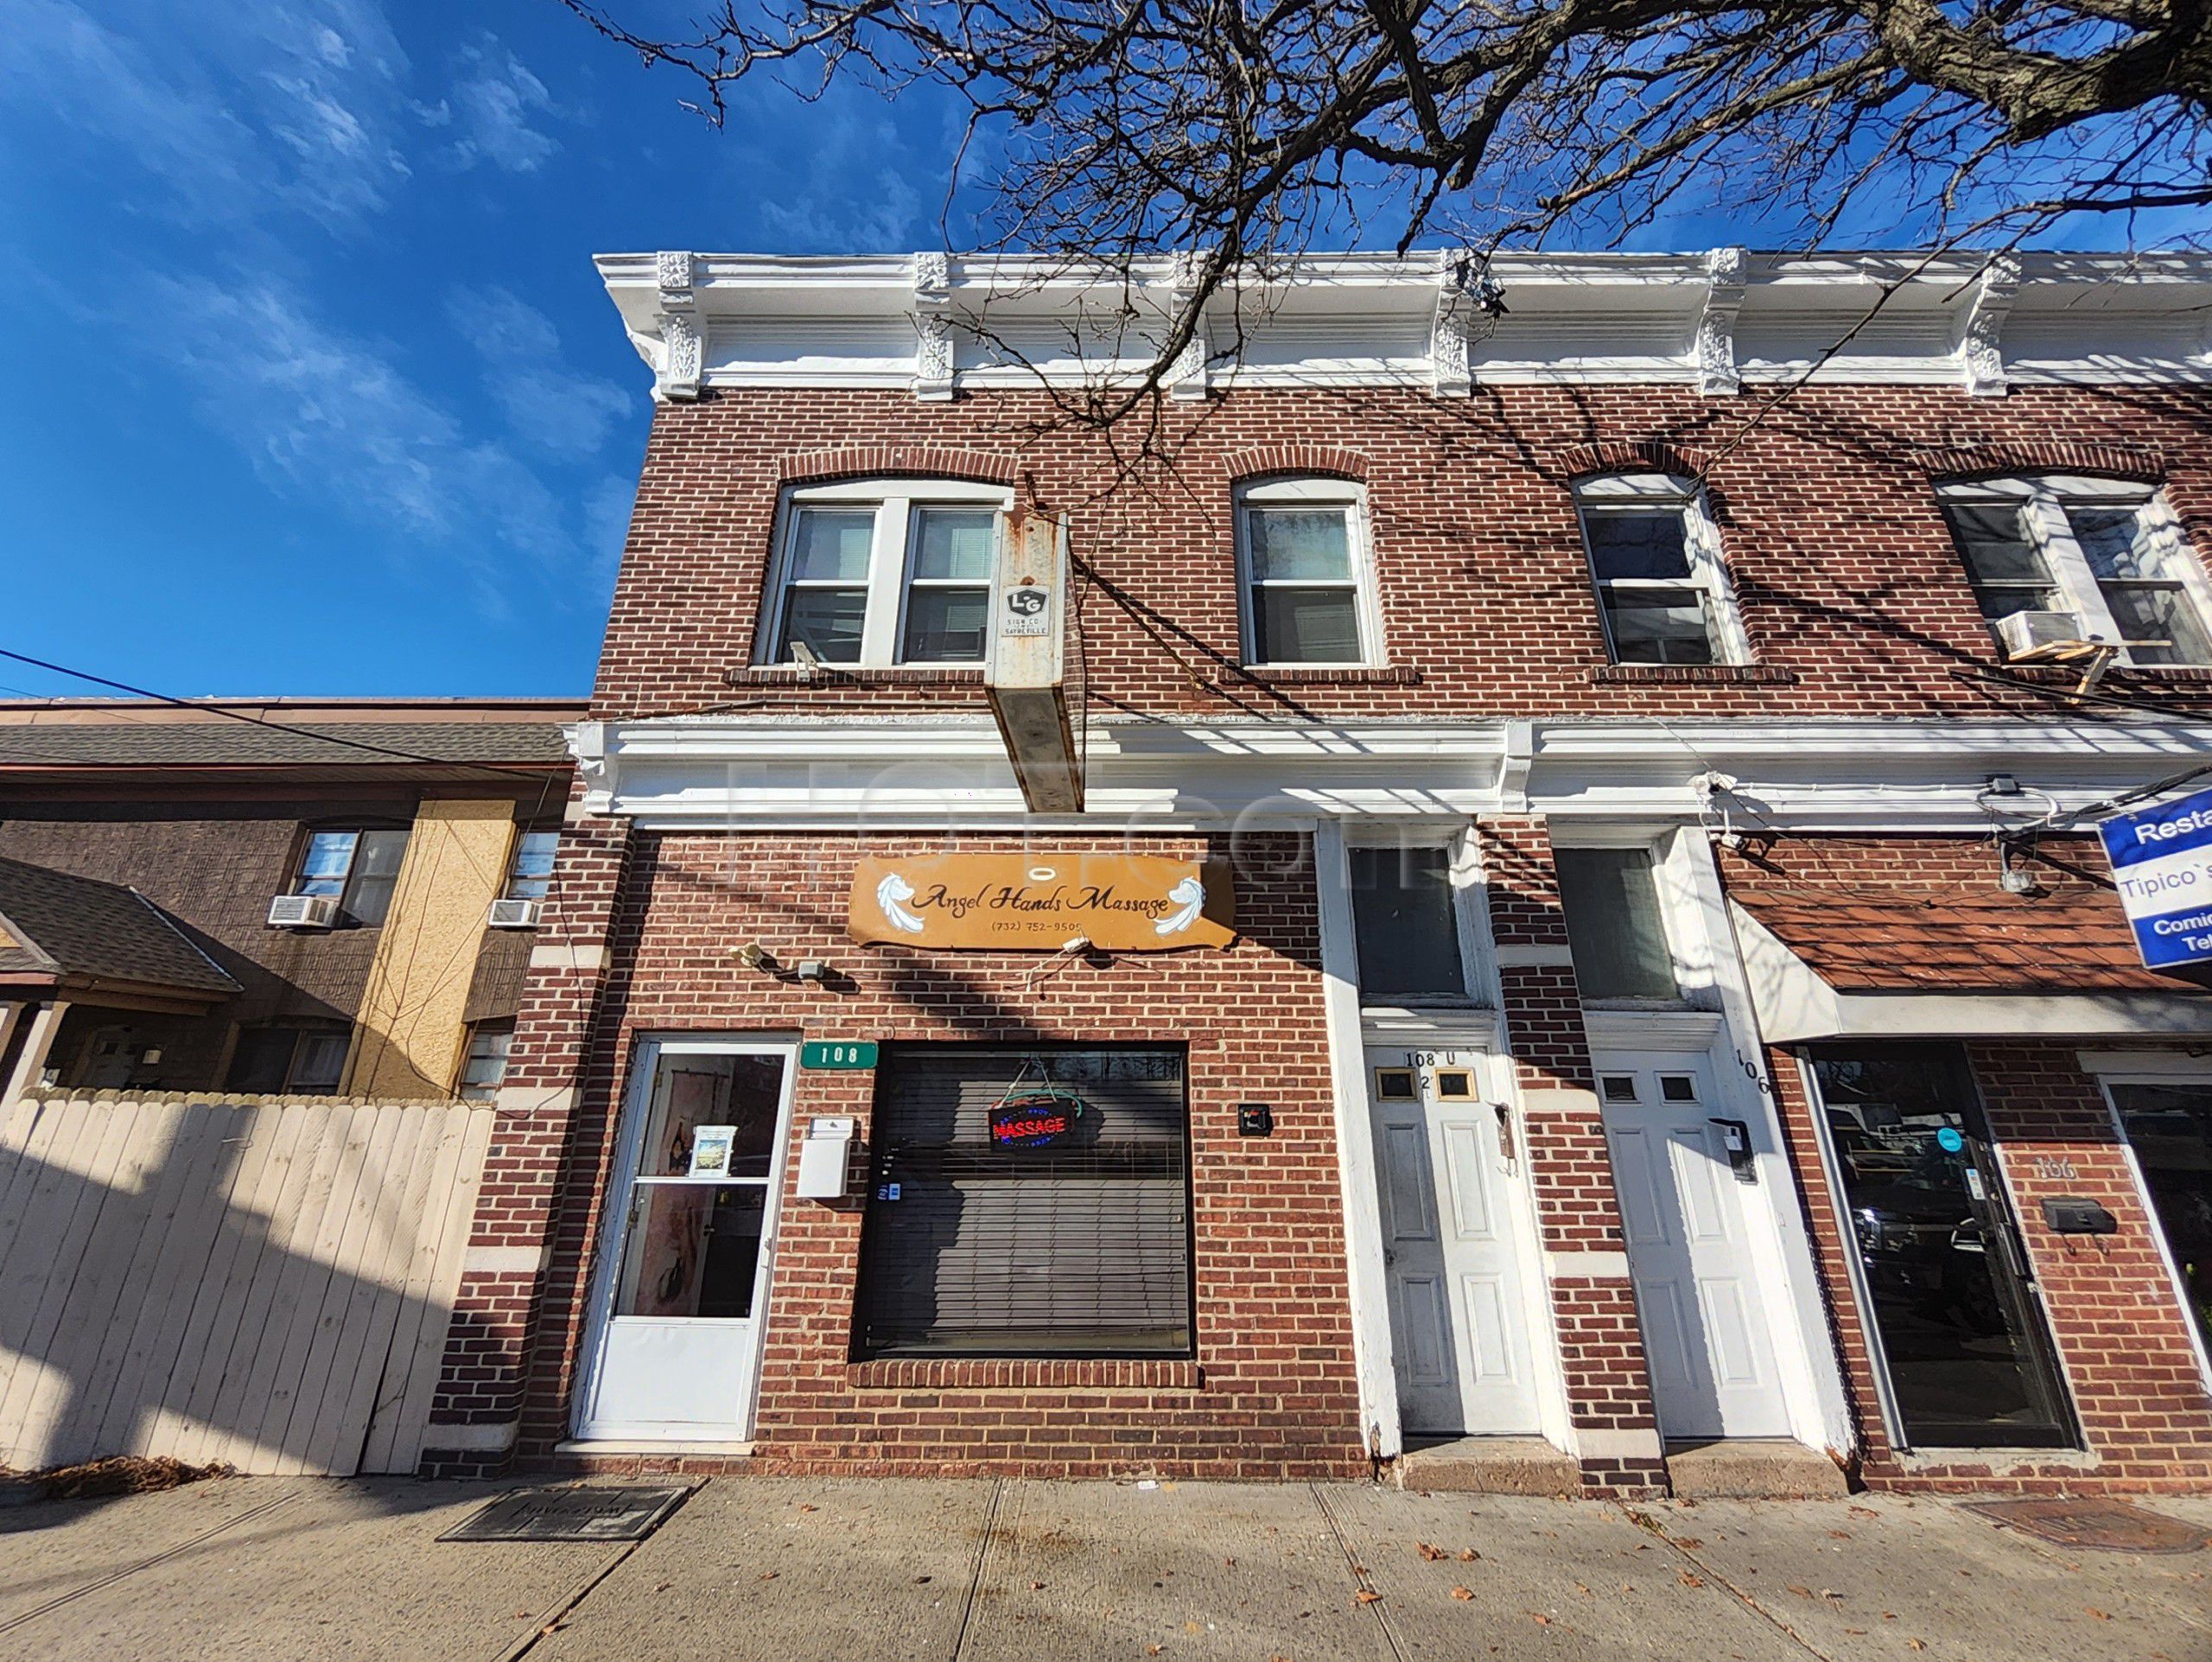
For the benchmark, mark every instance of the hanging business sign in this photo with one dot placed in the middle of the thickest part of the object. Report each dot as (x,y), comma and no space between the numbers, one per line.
(1117,902)
(2162,863)
(1034,1119)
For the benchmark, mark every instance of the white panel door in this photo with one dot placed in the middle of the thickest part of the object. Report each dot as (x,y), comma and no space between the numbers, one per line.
(682,1285)
(1456,1283)
(1705,1329)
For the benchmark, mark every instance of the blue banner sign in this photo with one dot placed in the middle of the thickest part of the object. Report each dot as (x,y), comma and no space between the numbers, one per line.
(2162,861)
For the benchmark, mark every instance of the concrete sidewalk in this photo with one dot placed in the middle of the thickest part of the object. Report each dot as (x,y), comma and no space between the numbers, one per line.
(794,1570)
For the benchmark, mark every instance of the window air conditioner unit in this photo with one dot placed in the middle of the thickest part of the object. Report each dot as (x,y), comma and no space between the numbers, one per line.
(515,915)
(303,911)
(2027,636)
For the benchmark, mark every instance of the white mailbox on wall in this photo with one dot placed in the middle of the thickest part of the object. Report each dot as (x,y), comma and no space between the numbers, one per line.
(824,1158)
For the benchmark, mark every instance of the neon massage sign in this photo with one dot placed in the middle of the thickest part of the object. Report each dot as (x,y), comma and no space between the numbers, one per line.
(1034,1117)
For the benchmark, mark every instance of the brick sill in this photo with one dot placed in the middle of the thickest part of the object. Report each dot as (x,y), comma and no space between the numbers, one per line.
(1402,675)
(896,675)
(1001,1373)
(1692,675)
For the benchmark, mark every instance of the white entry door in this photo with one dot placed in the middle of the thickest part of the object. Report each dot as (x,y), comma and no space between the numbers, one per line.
(1458,1325)
(1705,1327)
(682,1290)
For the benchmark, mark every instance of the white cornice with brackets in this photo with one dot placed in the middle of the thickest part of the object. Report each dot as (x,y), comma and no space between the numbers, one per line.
(713,773)
(934,324)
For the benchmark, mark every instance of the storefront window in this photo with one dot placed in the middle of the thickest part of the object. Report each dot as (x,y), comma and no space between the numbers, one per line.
(2170,1127)
(1028,1203)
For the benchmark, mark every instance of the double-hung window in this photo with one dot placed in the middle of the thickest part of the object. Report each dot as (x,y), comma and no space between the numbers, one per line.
(530,869)
(1308,579)
(1655,557)
(359,868)
(2107,553)
(878,572)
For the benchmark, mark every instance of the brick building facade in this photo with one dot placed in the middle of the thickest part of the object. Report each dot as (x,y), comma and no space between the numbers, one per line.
(1668,980)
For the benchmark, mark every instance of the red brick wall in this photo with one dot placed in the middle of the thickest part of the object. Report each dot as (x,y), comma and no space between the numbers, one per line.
(1271,1392)
(1852,591)
(1601,1345)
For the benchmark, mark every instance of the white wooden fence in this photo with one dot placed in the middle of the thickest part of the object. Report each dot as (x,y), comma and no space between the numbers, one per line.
(262,1281)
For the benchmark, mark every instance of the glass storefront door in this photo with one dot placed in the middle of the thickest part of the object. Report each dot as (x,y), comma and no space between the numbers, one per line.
(1961,1338)
(2170,1127)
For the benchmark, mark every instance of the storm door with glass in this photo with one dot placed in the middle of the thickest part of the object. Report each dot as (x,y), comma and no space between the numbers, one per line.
(1959,1332)
(684,1279)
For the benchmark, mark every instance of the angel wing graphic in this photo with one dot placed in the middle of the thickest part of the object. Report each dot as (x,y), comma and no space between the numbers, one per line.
(888,895)
(1191,896)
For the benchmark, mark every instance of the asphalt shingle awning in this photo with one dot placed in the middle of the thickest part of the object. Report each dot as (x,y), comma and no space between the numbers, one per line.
(76,933)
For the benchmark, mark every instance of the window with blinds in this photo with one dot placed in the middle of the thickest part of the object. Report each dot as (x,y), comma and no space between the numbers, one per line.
(1028,1203)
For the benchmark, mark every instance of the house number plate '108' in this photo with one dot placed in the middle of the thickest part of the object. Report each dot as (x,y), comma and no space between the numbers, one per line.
(837,1052)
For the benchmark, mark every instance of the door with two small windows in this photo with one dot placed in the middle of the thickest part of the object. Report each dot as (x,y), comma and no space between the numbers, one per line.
(1457,1285)
(1706,1335)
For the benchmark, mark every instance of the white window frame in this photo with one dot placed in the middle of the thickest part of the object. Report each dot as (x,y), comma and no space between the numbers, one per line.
(883,630)
(1689,951)
(1470,899)
(1700,540)
(2046,496)
(1352,497)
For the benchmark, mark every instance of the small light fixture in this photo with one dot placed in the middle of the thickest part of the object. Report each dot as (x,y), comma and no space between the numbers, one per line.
(754,956)
(810,969)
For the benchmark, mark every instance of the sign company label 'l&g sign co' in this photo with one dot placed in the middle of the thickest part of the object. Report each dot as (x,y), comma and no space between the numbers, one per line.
(1008,902)
(2162,861)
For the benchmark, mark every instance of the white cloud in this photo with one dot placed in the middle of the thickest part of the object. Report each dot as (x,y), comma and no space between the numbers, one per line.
(545,403)
(256,106)
(491,108)
(331,416)
(847,189)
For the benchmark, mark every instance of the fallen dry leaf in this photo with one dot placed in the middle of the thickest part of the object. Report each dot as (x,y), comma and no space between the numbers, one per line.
(1918,1644)
(1688,1580)
(1802,1592)
(1839,1535)
(1192,1627)
(1368,1595)
(1468,1555)
(1463,1594)
(1036,1587)
(1866,1511)
(1861,1631)
(1688,1543)
(2100,1615)
(1431,1553)
(769,1574)
(1583,1589)
(1539,1619)
(1153,1650)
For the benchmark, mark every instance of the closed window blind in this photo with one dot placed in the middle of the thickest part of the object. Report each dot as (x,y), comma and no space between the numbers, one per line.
(1028,1203)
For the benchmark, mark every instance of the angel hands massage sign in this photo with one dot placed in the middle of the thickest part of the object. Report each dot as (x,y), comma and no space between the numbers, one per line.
(1119,903)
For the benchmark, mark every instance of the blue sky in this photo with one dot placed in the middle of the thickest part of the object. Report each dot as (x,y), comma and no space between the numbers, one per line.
(310,387)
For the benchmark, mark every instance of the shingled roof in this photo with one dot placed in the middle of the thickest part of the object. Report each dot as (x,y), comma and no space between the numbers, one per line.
(218,744)
(1897,914)
(76,931)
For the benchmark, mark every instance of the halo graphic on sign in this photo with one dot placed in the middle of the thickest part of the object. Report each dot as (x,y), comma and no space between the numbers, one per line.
(1035,1118)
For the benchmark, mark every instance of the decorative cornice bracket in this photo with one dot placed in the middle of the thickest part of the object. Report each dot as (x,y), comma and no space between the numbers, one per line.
(1981,343)
(1725,273)
(1186,377)
(932,328)
(682,337)
(1449,376)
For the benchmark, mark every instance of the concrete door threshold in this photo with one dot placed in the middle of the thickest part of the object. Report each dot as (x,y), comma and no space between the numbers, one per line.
(1752,1468)
(1489,1466)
